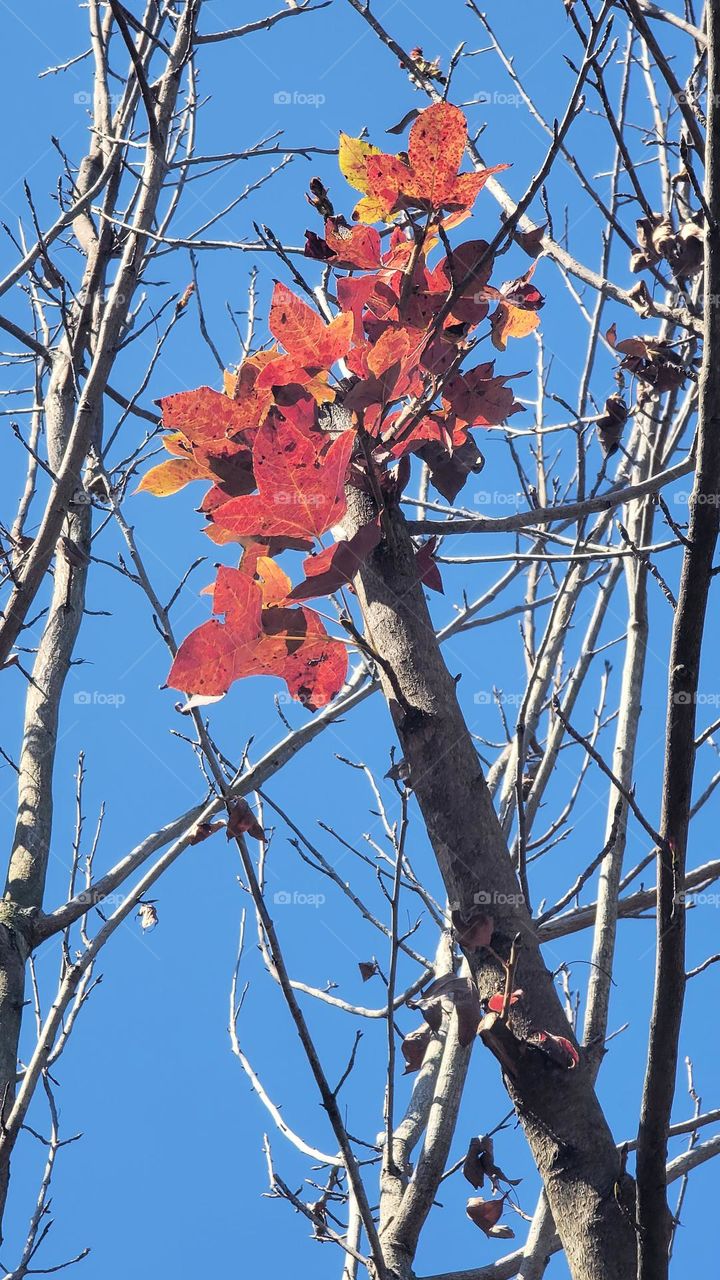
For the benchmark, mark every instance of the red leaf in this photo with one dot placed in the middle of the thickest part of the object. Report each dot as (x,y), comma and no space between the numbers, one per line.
(353,246)
(495,1003)
(296,646)
(449,471)
(301,482)
(559,1048)
(216,653)
(479,399)
(290,643)
(336,565)
(427,570)
(435,150)
(204,416)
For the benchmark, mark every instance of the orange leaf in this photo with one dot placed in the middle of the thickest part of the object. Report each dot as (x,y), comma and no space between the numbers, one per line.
(304,335)
(205,417)
(436,146)
(170,476)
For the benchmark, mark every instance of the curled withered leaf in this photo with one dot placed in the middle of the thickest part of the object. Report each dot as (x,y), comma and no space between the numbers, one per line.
(645,228)
(414,1048)
(640,298)
(531,241)
(202,830)
(690,249)
(610,426)
(486,1159)
(652,362)
(399,771)
(472,1164)
(368,969)
(639,261)
(663,238)
(147,915)
(463,995)
(486,1215)
(474,930)
(241,819)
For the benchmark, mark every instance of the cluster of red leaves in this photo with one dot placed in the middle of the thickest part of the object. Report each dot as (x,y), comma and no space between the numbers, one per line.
(270,445)
(473,1014)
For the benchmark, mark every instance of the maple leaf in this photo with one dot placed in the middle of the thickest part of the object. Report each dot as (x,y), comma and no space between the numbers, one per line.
(450,470)
(353,156)
(517,313)
(301,485)
(253,640)
(309,342)
(296,646)
(215,653)
(205,417)
(333,567)
(477,398)
(429,177)
(352,246)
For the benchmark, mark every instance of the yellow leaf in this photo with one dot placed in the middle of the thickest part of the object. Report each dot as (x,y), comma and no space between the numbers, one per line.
(170,476)
(372,209)
(274,583)
(318,388)
(353,158)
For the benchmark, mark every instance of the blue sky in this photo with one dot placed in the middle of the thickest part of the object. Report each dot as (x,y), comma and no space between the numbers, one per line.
(169,1175)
